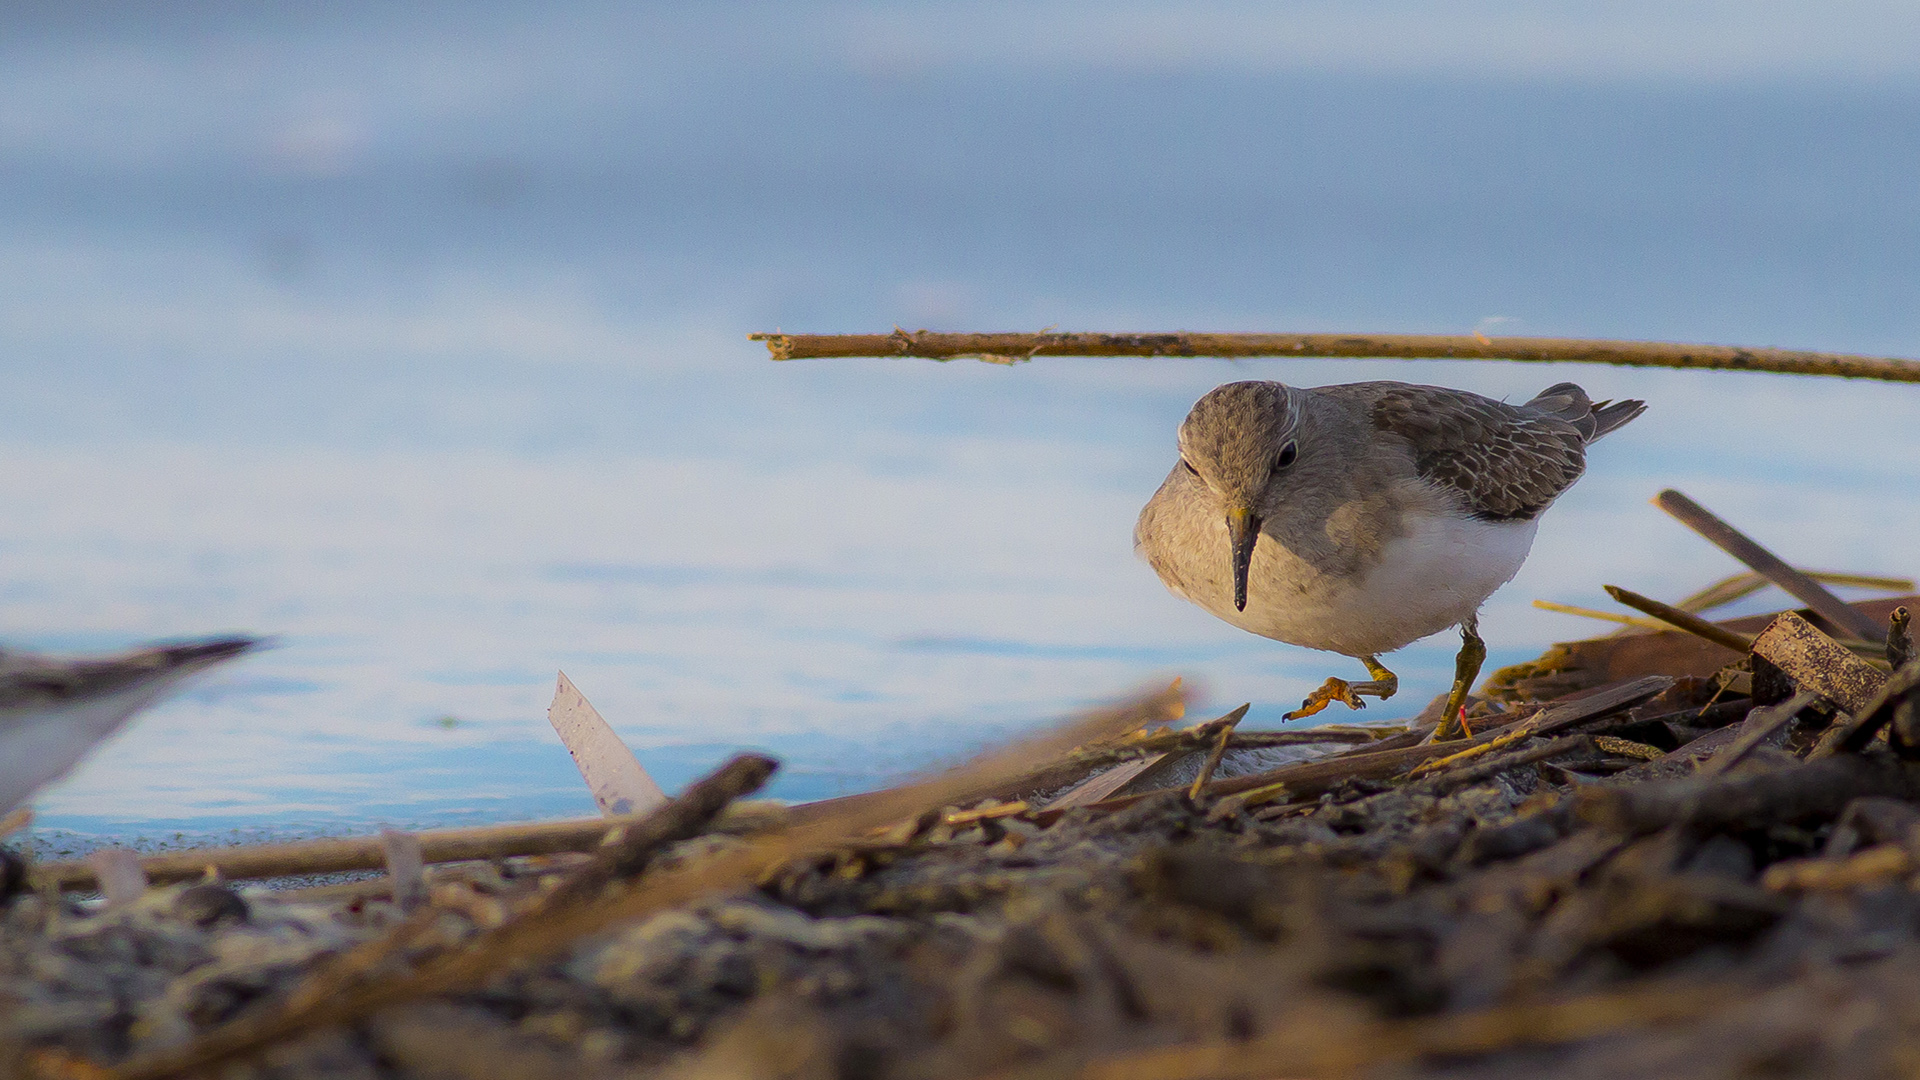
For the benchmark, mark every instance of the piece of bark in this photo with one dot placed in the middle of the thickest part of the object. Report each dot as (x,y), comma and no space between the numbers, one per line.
(1818,663)
(1893,703)
(1760,725)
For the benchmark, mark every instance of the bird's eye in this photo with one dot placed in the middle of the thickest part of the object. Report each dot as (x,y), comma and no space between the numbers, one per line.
(1188,465)
(1287,454)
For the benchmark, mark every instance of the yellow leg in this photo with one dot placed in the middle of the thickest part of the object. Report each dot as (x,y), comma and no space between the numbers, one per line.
(1466,668)
(1383,686)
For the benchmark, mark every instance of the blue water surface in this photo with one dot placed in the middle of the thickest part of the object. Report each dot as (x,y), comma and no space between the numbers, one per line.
(418,341)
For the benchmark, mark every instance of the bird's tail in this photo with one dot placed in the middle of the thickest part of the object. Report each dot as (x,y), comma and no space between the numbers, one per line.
(1594,418)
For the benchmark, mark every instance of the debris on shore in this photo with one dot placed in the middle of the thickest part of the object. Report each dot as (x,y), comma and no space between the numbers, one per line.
(1661,853)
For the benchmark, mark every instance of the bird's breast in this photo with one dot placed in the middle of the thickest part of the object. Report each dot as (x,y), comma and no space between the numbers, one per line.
(1377,596)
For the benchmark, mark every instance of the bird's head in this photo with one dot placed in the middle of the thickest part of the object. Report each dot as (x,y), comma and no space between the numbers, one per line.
(1241,441)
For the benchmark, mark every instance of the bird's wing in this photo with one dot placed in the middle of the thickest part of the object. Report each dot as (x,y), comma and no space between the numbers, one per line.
(28,680)
(1505,462)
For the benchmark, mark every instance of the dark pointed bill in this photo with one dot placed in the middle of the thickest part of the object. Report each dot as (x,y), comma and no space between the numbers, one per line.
(1243,529)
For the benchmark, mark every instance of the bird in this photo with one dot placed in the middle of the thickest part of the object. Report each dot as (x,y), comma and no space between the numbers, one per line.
(1361,517)
(54,710)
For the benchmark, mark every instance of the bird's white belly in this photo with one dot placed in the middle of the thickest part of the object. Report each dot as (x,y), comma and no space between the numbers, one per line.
(1432,577)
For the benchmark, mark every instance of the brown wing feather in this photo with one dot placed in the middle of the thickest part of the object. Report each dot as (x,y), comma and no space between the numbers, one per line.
(1506,462)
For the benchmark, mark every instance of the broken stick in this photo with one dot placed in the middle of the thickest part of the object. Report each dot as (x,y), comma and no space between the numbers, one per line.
(1680,620)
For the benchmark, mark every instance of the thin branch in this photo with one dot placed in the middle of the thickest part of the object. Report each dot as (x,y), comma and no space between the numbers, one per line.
(1760,560)
(1739,586)
(1681,620)
(356,853)
(1012,348)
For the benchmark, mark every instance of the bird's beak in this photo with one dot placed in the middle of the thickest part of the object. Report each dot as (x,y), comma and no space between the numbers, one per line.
(1243,529)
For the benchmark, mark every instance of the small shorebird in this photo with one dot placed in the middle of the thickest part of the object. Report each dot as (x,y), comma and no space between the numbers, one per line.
(1359,518)
(52,711)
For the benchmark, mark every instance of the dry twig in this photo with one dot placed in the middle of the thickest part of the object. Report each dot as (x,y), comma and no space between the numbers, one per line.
(1681,620)
(1015,347)
(1742,547)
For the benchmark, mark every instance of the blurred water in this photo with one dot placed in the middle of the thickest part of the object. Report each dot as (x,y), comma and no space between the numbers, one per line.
(419,342)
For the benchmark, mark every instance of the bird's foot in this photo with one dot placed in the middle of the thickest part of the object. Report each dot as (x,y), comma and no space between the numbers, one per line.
(1466,668)
(1344,692)
(1330,691)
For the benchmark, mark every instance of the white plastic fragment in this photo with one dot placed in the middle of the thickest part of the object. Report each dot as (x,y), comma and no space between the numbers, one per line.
(118,870)
(619,783)
(406,868)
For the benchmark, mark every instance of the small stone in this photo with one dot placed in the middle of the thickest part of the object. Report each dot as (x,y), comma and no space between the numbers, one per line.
(205,905)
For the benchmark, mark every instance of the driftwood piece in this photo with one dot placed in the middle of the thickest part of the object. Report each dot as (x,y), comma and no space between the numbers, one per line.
(1742,547)
(1788,794)
(1015,347)
(1818,663)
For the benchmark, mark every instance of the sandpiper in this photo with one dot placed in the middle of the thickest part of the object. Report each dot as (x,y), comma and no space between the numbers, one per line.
(52,711)
(1359,518)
